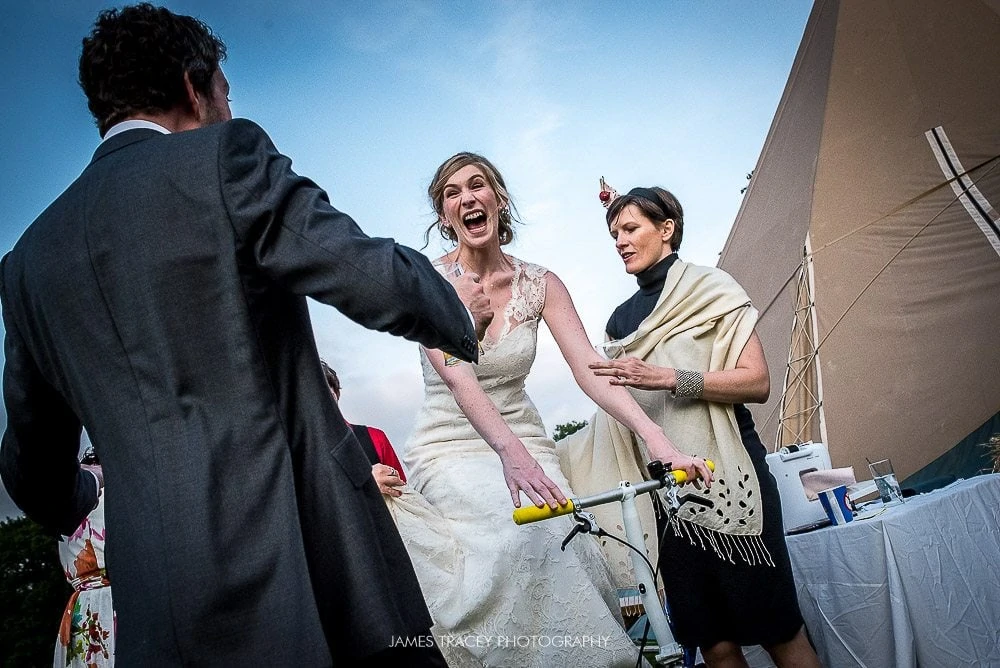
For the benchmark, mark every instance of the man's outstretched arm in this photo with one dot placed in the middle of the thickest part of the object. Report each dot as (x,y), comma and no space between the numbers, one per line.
(301,242)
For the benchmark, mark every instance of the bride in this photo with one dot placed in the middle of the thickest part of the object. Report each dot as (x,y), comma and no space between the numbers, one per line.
(508,595)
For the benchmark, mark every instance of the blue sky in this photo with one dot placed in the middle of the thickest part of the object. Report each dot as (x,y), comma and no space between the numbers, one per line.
(369,97)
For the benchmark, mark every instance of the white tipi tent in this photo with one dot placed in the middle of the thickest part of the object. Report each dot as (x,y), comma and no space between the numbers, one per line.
(869,238)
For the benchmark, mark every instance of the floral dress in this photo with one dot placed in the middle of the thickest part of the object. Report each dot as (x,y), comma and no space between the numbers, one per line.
(87,632)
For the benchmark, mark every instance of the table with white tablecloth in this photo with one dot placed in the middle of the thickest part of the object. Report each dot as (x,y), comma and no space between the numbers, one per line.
(917,584)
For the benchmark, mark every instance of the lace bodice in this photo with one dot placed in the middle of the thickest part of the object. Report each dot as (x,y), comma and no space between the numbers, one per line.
(503,367)
(527,296)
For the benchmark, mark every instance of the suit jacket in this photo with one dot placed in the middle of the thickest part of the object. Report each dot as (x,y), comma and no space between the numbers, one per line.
(160,303)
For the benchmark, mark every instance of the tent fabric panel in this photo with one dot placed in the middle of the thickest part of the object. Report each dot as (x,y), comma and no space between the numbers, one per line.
(900,265)
(972,456)
(906,282)
(764,249)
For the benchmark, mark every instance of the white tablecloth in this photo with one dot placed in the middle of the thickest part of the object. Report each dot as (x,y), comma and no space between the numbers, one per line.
(918,585)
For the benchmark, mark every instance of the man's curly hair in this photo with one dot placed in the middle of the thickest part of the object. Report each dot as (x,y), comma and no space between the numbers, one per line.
(135,58)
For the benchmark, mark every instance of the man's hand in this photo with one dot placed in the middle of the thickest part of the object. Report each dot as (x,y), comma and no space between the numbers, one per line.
(471,293)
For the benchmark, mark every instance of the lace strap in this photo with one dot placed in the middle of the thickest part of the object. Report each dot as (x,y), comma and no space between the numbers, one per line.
(527,294)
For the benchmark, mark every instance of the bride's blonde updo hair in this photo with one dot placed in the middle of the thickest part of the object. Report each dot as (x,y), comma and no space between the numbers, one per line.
(435,191)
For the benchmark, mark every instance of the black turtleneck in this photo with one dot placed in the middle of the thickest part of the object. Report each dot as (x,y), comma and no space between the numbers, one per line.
(630,314)
(627,317)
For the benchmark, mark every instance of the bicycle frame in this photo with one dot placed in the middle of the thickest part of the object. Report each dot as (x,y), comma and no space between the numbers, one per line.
(670,652)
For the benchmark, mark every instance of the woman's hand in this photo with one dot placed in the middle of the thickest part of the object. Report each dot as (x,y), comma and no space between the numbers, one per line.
(695,467)
(387,479)
(520,470)
(633,372)
(523,473)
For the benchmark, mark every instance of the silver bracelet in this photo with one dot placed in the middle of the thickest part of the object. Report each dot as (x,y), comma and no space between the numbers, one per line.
(690,384)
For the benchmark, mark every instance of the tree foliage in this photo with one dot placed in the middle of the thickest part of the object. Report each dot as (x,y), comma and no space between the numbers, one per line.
(33,592)
(565,429)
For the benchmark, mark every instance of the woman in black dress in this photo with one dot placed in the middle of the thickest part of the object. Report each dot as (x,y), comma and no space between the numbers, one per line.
(693,358)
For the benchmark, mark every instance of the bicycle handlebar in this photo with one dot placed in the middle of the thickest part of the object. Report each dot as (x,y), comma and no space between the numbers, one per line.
(529,514)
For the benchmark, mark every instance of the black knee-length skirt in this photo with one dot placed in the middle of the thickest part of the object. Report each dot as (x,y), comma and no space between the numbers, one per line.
(712,600)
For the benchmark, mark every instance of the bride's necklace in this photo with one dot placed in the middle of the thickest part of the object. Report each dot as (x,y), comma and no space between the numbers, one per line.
(497,282)
(498,279)
(495,286)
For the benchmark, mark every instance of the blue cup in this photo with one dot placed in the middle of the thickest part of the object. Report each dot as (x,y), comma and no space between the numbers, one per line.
(834,502)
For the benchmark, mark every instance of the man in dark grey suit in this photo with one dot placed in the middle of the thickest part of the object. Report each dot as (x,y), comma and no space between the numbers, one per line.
(160,304)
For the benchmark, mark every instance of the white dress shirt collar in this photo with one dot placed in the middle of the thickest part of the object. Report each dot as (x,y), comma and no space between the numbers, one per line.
(132,124)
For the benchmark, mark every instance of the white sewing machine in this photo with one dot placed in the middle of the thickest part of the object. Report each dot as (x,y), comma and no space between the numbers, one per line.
(787,466)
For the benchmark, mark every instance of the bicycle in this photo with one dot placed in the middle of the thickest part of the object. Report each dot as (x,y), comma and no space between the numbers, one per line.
(669,652)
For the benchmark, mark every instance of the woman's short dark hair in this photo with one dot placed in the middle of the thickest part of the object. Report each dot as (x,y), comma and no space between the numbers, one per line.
(90,457)
(657,204)
(332,381)
(135,58)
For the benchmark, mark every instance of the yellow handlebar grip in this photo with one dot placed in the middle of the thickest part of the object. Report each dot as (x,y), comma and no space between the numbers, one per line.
(680,477)
(534,513)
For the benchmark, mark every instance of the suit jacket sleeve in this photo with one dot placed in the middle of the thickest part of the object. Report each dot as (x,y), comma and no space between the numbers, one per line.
(38,459)
(301,242)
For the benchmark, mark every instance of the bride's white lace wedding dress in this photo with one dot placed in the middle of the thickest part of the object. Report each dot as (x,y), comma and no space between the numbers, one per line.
(502,594)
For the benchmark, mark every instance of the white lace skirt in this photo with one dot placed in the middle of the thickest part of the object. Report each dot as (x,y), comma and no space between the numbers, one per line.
(502,594)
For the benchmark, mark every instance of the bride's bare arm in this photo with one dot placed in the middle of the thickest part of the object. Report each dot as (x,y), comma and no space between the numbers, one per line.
(564,322)
(520,469)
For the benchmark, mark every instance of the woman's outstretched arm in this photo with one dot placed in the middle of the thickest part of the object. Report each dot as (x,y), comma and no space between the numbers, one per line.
(520,469)
(564,322)
(748,382)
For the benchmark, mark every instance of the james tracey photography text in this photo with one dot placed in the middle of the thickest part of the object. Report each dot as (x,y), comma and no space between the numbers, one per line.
(483,641)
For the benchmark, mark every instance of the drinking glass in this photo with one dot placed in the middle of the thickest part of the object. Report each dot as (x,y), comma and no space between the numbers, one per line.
(610,350)
(652,402)
(449,270)
(885,480)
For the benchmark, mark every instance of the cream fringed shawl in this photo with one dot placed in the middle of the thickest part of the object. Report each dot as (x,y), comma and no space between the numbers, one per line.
(701,322)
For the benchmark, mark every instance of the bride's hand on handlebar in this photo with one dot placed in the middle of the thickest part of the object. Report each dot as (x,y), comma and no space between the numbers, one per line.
(524,474)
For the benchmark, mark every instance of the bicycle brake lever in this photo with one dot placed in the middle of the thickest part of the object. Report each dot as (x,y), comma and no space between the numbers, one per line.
(694,498)
(577,529)
(585,523)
